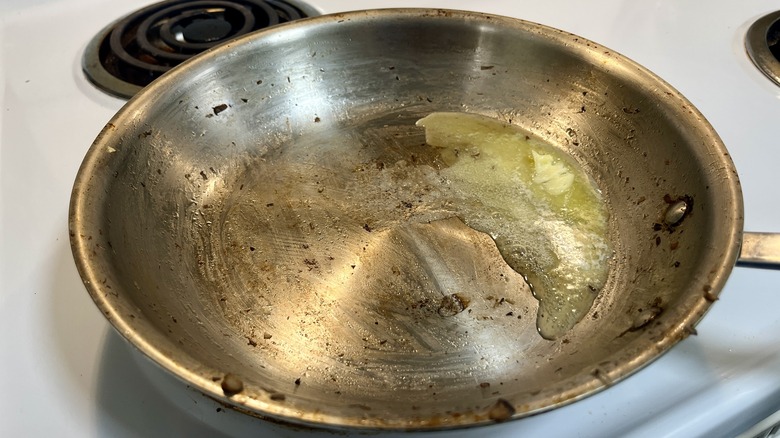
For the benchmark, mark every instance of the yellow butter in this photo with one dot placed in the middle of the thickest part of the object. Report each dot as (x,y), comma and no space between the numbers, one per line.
(546,216)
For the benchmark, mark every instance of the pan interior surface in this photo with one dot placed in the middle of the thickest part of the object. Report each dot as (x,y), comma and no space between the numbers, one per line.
(240,217)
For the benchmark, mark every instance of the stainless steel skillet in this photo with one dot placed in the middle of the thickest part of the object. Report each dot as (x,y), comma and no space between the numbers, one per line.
(198,226)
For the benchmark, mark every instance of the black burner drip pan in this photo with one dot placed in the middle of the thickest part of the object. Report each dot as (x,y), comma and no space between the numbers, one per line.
(135,50)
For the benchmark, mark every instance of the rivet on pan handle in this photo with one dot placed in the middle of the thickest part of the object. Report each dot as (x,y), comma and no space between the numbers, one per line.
(760,250)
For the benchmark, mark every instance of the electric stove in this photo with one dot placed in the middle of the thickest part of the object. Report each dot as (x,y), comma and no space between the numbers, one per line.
(66,372)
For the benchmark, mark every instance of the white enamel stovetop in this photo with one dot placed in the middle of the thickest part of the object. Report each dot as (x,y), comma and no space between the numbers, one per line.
(64,372)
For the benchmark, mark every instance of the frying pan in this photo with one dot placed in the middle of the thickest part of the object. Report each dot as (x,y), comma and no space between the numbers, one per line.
(238,221)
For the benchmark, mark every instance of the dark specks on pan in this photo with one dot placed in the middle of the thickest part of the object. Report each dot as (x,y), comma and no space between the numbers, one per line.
(502,410)
(219,108)
(232,385)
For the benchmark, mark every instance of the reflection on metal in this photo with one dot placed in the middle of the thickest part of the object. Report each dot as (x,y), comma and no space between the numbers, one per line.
(763,45)
(767,428)
(760,250)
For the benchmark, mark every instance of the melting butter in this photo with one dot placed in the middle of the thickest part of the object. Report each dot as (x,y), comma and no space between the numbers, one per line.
(546,216)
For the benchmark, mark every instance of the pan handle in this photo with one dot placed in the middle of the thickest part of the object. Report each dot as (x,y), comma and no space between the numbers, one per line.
(760,250)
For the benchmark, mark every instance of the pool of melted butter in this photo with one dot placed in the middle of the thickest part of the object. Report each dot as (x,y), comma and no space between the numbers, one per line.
(545,214)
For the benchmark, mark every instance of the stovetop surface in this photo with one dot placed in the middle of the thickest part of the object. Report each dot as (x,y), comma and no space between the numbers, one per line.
(67,373)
